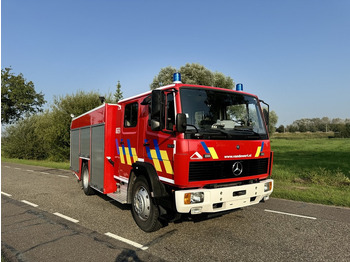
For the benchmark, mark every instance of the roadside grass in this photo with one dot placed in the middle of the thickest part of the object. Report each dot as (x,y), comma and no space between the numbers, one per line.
(44,163)
(312,170)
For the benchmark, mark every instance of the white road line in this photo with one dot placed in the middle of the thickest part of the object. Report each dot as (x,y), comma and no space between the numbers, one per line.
(63,176)
(132,243)
(7,166)
(29,170)
(5,194)
(17,168)
(289,214)
(45,173)
(66,217)
(29,203)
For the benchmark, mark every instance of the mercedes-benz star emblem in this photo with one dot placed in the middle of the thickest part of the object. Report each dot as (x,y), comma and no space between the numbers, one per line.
(237,168)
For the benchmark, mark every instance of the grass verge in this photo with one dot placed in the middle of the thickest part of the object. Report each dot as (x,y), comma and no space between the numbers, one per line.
(312,170)
(44,163)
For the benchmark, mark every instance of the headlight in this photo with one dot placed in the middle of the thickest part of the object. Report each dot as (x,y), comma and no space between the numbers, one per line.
(267,186)
(193,198)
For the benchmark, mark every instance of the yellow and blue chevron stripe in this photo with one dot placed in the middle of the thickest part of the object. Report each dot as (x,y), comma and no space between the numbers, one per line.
(210,150)
(259,149)
(127,155)
(159,156)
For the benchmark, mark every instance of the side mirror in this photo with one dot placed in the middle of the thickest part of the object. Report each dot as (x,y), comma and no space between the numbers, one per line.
(157,110)
(266,116)
(266,113)
(181,123)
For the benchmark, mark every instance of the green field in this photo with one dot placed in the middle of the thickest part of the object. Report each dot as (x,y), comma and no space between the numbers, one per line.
(312,170)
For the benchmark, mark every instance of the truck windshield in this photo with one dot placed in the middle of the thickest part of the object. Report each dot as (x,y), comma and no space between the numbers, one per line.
(213,114)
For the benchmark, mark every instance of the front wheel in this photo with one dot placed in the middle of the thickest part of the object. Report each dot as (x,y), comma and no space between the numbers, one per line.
(144,211)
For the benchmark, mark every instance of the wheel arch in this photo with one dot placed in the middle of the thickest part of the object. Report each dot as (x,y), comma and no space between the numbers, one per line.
(146,169)
(82,162)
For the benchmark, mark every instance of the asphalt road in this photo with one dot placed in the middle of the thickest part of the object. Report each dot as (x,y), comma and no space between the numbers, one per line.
(45,216)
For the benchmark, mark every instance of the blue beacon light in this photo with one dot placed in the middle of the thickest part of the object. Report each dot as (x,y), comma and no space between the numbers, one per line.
(239,87)
(177,78)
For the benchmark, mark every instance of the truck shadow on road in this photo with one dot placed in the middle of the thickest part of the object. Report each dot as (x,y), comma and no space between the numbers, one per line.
(175,218)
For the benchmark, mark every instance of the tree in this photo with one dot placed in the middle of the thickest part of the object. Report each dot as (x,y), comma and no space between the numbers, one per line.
(273,119)
(25,139)
(165,77)
(118,93)
(47,135)
(62,110)
(18,97)
(280,129)
(192,74)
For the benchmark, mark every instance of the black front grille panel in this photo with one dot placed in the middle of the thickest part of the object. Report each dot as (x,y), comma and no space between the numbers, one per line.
(213,170)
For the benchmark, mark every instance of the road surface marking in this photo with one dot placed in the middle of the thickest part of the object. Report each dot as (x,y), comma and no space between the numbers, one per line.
(289,214)
(29,170)
(7,166)
(17,168)
(29,203)
(45,173)
(5,194)
(63,176)
(132,243)
(66,217)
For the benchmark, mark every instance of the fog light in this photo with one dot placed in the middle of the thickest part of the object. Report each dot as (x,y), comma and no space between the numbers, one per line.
(267,186)
(193,198)
(196,210)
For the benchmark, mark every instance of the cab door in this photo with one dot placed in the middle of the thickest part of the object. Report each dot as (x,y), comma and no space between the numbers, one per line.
(129,138)
(160,146)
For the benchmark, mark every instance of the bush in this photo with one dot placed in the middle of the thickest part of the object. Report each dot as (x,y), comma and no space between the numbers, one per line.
(47,135)
(24,140)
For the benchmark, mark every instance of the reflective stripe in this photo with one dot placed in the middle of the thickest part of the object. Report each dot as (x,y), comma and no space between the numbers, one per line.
(167,164)
(117,145)
(155,160)
(134,155)
(157,149)
(148,150)
(206,149)
(213,153)
(121,155)
(258,151)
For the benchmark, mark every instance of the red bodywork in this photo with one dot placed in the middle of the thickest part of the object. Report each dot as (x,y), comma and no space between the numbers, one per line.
(170,154)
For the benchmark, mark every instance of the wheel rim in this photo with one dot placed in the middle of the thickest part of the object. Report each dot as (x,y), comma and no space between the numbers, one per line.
(85,179)
(142,204)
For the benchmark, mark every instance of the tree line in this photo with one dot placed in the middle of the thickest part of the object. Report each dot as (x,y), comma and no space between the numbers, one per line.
(29,132)
(340,127)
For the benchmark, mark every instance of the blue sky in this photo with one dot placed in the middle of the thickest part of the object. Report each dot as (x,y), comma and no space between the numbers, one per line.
(294,54)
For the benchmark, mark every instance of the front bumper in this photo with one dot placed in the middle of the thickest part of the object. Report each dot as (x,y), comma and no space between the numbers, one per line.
(226,198)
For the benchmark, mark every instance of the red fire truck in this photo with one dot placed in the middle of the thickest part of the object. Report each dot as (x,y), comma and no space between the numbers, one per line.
(177,149)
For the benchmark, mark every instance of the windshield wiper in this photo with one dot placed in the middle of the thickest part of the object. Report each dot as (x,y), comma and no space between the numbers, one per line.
(246,130)
(223,132)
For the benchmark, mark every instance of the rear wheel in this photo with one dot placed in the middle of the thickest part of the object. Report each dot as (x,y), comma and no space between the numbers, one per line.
(144,211)
(85,181)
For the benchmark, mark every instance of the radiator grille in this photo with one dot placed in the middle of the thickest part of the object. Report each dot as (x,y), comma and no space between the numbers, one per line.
(213,170)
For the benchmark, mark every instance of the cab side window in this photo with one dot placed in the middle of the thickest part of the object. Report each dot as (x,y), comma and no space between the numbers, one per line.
(130,115)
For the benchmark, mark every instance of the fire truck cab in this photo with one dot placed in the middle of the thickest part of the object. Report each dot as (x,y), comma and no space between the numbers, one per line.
(177,149)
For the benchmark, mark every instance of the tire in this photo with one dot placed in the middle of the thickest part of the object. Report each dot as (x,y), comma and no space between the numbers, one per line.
(144,211)
(85,181)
